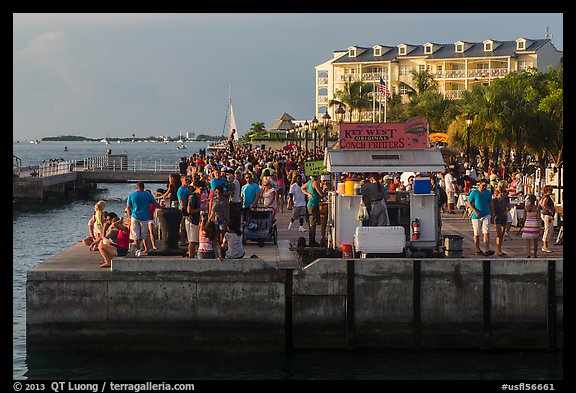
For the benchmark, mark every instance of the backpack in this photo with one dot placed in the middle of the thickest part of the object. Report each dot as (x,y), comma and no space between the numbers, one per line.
(442,197)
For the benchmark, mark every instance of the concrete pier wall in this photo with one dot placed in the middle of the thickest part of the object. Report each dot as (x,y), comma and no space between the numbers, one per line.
(247,305)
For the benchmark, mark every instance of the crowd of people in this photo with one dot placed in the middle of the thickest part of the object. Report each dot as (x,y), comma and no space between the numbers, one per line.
(215,194)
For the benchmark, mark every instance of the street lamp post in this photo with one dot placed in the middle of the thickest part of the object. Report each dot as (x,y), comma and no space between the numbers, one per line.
(314,128)
(340,114)
(468,127)
(298,130)
(326,119)
(306,126)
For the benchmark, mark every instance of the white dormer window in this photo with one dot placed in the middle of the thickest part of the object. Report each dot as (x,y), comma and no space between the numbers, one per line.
(427,49)
(459,47)
(352,52)
(377,51)
(401,50)
(520,44)
(488,46)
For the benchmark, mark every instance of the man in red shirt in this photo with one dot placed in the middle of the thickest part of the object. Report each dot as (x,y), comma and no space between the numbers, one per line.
(396,184)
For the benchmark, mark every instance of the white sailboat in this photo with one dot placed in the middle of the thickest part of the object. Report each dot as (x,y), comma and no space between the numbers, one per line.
(229,121)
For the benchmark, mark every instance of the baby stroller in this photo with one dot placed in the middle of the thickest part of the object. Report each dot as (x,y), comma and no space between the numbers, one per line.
(260,226)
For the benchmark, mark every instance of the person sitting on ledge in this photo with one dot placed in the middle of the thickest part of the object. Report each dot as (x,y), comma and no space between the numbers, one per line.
(232,244)
(208,246)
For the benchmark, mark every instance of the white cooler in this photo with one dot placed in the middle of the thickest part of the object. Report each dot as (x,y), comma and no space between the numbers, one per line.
(380,240)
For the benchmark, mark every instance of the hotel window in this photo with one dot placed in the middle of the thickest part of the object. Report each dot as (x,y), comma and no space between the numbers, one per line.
(459,48)
(377,51)
(523,65)
(521,45)
(352,52)
(428,49)
(422,67)
(404,70)
(487,47)
(402,50)
(404,89)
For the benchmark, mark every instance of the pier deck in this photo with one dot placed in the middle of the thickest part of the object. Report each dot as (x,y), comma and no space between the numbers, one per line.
(78,257)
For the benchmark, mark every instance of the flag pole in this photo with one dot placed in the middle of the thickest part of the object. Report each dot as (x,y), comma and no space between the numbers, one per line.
(373,99)
(385,103)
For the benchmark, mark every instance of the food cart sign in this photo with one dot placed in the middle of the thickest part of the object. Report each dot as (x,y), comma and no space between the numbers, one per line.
(315,168)
(412,134)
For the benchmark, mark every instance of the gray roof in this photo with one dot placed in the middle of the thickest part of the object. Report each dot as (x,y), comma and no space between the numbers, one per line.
(447,51)
(398,160)
(283,123)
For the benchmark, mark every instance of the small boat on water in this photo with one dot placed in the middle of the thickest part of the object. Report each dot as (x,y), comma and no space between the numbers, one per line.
(181,146)
(35,141)
(65,148)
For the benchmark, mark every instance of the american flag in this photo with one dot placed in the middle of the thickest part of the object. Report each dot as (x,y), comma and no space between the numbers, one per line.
(384,89)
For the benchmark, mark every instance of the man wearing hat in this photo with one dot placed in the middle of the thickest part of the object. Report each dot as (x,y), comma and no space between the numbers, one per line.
(395,186)
(388,182)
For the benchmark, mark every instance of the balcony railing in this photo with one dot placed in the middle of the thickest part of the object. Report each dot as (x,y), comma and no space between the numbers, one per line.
(453,94)
(472,73)
(323,81)
(373,76)
(346,77)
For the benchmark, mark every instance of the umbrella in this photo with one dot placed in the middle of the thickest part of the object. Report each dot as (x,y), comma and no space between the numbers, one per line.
(290,146)
(438,137)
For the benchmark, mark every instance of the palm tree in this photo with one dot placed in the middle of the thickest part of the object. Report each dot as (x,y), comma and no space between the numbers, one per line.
(353,96)
(423,81)
(436,107)
(257,130)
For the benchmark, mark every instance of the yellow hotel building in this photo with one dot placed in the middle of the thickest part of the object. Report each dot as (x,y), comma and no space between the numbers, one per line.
(456,67)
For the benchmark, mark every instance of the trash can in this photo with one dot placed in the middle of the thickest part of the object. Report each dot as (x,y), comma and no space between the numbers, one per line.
(453,246)
(347,251)
(170,218)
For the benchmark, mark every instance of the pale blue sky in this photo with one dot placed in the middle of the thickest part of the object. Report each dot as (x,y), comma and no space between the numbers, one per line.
(154,74)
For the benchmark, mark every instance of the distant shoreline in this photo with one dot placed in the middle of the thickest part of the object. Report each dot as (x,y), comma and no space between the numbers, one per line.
(74,138)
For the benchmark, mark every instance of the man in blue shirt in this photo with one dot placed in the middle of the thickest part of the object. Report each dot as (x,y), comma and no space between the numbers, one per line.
(138,209)
(249,194)
(183,193)
(482,208)
(219,179)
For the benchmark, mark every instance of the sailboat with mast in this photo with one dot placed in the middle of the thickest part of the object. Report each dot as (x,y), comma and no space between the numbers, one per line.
(229,125)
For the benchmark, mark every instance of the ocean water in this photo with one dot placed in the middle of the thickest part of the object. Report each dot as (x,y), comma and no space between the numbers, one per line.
(41,233)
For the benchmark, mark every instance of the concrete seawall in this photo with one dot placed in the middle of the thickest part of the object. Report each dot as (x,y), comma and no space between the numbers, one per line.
(171,304)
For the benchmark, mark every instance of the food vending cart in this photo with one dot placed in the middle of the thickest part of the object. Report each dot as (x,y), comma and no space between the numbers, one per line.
(386,148)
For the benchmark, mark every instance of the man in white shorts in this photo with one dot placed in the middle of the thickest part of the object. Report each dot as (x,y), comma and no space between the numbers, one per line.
(450,183)
(138,209)
(298,202)
(482,208)
(193,219)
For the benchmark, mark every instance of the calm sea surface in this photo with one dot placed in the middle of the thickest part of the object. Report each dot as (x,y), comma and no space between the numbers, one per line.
(42,233)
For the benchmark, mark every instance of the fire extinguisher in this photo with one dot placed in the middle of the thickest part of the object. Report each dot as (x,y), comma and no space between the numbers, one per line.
(416,229)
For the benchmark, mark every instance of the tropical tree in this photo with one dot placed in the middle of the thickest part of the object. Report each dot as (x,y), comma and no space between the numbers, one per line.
(421,81)
(354,96)
(257,130)
(438,109)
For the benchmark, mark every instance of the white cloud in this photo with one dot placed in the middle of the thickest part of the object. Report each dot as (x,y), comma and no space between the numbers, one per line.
(49,53)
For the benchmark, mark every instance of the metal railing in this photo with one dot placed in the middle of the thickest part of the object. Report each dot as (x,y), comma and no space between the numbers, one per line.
(16,166)
(55,168)
(155,166)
